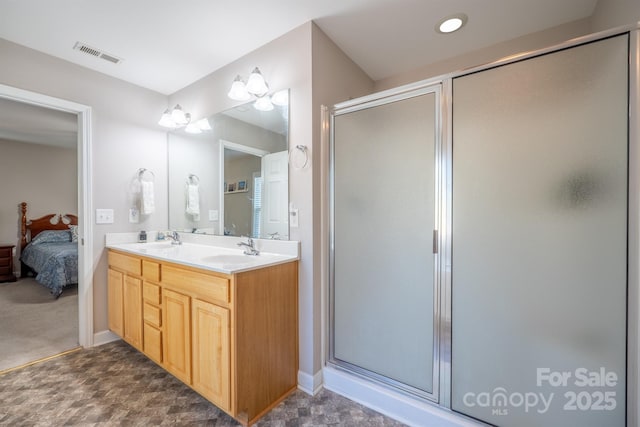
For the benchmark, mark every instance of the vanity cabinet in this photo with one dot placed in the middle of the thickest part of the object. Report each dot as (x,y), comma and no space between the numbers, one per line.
(233,338)
(177,334)
(152,311)
(125,298)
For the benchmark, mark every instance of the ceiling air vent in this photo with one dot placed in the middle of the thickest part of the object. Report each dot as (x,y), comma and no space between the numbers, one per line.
(82,47)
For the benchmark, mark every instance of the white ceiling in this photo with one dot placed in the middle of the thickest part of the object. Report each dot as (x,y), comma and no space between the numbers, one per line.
(38,125)
(167,45)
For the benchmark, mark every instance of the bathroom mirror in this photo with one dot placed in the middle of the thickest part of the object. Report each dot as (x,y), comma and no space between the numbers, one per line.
(233,179)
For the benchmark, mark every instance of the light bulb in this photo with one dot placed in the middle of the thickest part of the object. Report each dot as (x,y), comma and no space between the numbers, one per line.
(203,124)
(179,116)
(451,23)
(263,104)
(281,98)
(238,90)
(256,83)
(193,128)
(166,120)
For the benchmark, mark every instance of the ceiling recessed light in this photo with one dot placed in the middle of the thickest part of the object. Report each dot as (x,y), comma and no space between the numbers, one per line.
(451,23)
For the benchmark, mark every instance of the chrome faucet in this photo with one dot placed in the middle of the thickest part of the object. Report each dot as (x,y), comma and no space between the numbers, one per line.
(174,236)
(250,248)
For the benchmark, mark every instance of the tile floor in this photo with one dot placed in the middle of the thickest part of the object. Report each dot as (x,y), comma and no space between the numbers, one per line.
(114,384)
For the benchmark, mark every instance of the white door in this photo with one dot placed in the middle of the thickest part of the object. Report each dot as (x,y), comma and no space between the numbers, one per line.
(275,196)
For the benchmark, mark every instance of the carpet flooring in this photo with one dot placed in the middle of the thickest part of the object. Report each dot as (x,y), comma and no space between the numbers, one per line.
(115,385)
(33,324)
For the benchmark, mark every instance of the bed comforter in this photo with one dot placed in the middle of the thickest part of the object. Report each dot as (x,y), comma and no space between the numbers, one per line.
(56,264)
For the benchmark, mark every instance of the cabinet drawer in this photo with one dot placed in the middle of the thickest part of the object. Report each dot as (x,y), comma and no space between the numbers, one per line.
(6,252)
(202,285)
(5,270)
(5,262)
(153,343)
(124,262)
(152,315)
(151,270)
(151,293)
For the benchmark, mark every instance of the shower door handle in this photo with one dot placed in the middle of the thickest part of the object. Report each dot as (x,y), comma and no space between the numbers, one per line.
(435,241)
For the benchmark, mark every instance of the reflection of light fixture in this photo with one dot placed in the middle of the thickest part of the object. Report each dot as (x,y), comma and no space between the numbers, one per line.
(263,103)
(451,23)
(192,128)
(280,98)
(258,87)
(203,124)
(177,118)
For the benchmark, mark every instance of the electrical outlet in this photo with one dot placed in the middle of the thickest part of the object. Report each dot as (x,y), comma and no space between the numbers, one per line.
(213,215)
(134,215)
(104,216)
(293,218)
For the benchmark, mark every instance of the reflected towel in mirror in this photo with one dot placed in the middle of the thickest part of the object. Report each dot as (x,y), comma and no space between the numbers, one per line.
(147,203)
(193,201)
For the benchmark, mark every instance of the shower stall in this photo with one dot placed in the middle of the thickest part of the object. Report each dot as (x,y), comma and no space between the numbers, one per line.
(483,243)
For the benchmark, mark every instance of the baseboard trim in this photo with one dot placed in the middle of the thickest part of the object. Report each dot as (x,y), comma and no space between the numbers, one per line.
(392,404)
(310,384)
(104,337)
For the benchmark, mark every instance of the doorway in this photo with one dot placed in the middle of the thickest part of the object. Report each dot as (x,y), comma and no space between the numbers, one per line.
(85,229)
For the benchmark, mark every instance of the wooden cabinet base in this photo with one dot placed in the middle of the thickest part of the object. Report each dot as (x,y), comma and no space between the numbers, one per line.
(231,338)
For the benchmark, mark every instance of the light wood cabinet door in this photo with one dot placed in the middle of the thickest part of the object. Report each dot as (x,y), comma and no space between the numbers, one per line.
(133,311)
(176,345)
(211,352)
(153,343)
(115,282)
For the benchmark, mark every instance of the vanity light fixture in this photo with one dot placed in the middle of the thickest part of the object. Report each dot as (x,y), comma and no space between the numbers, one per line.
(451,23)
(198,126)
(203,124)
(255,86)
(238,90)
(192,128)
(174,118)
(177,118)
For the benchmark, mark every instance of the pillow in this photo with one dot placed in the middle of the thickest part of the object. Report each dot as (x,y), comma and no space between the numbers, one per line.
(74,232)
(52,236)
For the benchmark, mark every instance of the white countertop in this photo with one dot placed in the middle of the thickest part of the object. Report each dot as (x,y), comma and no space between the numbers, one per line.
(223,258)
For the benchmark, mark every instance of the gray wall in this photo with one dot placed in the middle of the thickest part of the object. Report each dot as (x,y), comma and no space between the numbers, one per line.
(614,13)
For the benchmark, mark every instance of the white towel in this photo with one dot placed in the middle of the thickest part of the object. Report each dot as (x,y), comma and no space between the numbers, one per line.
(147,204)
(193,201)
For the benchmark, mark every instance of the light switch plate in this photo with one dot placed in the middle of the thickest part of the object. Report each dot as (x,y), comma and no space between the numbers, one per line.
(104,216)
(213,215)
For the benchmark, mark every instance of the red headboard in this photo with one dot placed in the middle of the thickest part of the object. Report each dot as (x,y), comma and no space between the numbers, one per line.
(47,222)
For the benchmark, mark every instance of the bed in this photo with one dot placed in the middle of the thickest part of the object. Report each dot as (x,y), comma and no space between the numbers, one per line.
(49,250)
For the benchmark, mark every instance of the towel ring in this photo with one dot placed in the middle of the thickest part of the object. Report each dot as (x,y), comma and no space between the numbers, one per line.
(142,171)
(296,161)
(193,179)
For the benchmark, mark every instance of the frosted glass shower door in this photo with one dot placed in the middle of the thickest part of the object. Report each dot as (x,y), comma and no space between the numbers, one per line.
(382,293)
(539,243)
